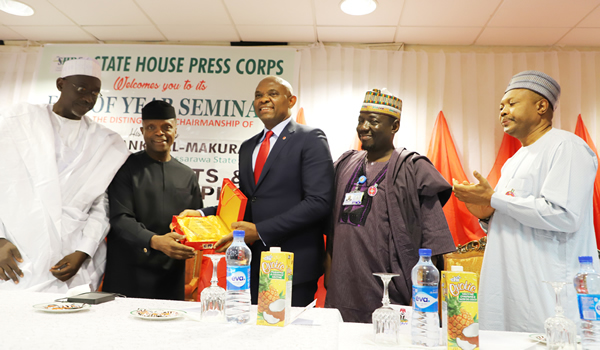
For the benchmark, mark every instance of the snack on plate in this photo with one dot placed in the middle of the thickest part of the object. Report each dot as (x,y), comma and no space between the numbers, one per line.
(156,313)
(63,306)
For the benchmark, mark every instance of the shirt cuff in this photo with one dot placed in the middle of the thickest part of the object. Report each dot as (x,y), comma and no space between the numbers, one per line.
(260,238)
(485,224)
(2,230)
(148,237)
(201,212)
(500,202)
(258,233)
(88,246)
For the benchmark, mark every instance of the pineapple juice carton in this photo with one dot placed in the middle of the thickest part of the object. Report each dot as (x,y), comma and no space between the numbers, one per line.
(460,319)
(275,288)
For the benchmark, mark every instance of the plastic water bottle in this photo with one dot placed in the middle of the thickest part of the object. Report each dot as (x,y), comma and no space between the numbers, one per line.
(425,329)
(238,256)
(587,284)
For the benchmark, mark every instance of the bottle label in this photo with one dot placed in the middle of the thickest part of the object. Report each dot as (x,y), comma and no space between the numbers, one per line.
(425,298)
(238,277)
(589,306)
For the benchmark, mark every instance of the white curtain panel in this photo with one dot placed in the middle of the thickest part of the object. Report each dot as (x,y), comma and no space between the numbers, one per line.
(466,86)
(17,68)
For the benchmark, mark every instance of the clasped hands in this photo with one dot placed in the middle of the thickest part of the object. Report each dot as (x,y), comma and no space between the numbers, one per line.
(66,268)
(477,197)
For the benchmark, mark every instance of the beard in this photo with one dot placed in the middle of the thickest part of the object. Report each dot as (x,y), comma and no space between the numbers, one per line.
(80,110)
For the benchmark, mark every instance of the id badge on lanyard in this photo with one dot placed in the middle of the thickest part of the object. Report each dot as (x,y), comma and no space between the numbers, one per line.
(355,197)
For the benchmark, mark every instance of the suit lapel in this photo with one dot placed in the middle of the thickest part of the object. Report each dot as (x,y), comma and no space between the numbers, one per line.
(282,141)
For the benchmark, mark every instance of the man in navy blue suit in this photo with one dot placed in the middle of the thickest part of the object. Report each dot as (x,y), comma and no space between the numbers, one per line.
(289,195)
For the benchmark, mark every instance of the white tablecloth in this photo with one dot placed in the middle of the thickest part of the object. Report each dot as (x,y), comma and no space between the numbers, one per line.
(359,336)
(110,326)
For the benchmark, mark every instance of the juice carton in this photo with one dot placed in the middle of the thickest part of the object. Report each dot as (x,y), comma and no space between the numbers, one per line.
(460,320)
(275,288)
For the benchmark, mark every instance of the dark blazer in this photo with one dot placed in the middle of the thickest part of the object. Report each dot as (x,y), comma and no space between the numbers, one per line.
(144,195)
(292,199)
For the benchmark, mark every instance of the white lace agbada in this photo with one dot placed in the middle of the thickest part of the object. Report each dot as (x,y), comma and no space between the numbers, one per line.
(54,176)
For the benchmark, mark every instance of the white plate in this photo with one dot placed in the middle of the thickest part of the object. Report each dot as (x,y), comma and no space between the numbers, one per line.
(157,314)
(540,337)
(57,307)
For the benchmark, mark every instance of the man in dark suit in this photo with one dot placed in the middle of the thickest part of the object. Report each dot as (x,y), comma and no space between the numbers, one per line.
(145,259)
(290,196)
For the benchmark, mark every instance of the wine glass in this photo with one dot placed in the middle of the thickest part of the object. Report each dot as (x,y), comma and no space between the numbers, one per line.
(561,332)
(386,321)
(212,299)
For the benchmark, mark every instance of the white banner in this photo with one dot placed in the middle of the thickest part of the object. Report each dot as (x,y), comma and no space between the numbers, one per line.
(211,89)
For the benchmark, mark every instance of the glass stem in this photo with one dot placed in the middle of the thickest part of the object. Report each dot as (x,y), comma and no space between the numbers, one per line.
(386,299)
(214,279)
(558,307)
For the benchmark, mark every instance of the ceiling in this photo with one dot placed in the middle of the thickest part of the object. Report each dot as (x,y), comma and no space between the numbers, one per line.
(424,22)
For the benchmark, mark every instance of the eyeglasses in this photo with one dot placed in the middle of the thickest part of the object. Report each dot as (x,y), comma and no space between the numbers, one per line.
(81,90)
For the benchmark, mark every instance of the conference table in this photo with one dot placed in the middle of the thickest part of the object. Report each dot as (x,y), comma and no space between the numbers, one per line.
(111,325)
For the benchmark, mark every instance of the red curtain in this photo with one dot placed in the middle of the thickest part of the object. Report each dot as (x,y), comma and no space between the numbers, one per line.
(357,145)
(508,148)
(442,153)
(300,117)
(581,131)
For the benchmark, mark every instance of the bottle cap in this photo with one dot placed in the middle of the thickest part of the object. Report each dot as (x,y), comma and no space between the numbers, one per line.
(239,233)
(275,250)
(456,268)
(424,252)
(585,259)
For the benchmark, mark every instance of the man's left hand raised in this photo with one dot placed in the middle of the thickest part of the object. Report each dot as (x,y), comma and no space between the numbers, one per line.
(478,194)
(250,237)
(68,266)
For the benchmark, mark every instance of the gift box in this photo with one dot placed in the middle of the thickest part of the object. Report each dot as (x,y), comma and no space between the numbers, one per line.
(202,232)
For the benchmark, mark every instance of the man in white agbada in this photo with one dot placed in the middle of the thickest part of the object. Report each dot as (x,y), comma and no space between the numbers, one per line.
(56,166)
(540,215)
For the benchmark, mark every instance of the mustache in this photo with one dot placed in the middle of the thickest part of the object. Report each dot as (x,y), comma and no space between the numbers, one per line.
(84,104)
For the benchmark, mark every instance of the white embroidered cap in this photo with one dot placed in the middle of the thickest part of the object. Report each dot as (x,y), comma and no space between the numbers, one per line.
(82,66)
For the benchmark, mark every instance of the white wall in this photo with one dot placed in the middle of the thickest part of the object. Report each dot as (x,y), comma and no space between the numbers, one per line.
(466,85)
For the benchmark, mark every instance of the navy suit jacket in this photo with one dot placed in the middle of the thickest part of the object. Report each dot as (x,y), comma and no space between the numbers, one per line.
(293,198)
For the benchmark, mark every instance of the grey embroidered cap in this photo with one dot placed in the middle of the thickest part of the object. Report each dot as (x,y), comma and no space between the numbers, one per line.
(537,82)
